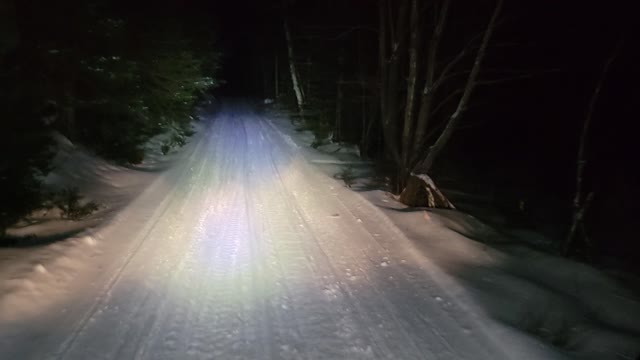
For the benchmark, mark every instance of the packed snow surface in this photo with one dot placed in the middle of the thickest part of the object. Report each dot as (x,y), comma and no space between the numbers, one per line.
(244,249)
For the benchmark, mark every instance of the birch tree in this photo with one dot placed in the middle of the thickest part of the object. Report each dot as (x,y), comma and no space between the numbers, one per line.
(583,199)
(393,45)
(295,78)
(401,31)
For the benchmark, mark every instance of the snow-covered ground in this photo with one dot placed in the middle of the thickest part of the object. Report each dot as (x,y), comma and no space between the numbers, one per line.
(243,246)
(586,313)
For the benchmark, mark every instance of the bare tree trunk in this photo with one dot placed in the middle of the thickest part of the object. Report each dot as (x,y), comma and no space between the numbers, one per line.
(382,55)
(580,202)
(385,37)
(426,100)
(577,223)
(337,136)
(407,133)
(363,136)
(424,166)
(292,68)
(421,191)
(277,77)
(266,77)
(392,100)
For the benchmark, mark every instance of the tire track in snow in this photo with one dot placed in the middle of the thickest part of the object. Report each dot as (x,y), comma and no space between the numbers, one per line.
(354,309)
(279,232)
(450,326)
(244,259)
(107,290)
(163,341)
(395,301)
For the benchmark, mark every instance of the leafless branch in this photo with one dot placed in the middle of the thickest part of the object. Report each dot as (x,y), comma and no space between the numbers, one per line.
(467,48)
(448,98)
(506,79)
(580,204)
(434,150)
(339,36)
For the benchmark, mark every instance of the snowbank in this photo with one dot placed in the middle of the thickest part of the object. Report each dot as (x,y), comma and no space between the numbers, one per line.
(33,277)
(582,311)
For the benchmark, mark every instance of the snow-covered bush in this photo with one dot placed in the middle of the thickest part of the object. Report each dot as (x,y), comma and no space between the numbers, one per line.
(69,202)
(178,138)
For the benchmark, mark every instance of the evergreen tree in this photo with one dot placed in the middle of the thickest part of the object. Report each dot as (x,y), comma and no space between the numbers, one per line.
(102,79)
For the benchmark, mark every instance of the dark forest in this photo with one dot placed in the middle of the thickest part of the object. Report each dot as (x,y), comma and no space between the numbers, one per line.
(517,143)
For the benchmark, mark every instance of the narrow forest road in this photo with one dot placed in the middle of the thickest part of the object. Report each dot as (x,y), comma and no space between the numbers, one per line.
(256,254)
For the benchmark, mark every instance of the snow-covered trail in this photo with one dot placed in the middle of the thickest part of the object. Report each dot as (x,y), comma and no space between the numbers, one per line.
(252,253)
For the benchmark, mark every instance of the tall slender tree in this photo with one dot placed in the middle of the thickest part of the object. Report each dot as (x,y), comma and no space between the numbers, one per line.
(293,70)
(401,30)
(582,199)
